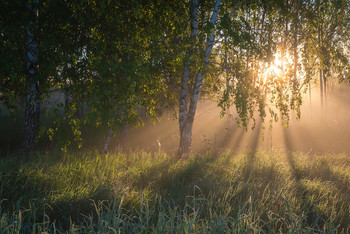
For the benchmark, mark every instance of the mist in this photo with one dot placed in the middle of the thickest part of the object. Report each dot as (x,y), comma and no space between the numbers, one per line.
(318,131)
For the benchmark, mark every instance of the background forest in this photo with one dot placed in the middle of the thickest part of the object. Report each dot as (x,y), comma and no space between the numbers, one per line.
(128,116)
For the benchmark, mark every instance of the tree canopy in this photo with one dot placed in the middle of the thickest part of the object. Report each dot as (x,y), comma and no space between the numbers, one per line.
(118,59)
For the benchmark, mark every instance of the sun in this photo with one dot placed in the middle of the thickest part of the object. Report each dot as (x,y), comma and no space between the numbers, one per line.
(271,73)
(278,60)
(278,68)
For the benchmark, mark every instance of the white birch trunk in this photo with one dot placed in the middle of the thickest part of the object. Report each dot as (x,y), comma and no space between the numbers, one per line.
(186,128)
(183,108)
(32,109)
(108,139)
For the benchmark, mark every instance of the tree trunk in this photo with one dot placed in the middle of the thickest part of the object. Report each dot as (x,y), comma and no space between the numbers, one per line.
(108,139)
(310,99)
(32,109)
(186,117)
(324,89)
(124,132)
(122,138)
(321,88)
(320,58)
(324,114)
(185,141)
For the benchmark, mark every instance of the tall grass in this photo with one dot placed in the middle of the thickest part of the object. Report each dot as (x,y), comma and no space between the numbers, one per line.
(139,192)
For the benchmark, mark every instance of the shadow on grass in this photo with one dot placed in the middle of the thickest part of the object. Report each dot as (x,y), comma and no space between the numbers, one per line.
(321,169)
(253,147)
(26,186)
(230,188)
(314,216)
(175,179)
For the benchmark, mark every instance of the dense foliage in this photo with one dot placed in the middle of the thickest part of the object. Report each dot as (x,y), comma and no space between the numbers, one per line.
(119,63)
(119,59)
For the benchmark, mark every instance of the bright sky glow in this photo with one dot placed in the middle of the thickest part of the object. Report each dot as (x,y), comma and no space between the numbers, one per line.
(279,68)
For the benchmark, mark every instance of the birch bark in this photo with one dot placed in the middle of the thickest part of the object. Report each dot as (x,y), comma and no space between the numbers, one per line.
(186,114)
(185,138)
(108,139)
(32,109)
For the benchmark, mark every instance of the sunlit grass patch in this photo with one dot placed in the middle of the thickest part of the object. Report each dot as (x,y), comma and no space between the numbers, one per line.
(267,191)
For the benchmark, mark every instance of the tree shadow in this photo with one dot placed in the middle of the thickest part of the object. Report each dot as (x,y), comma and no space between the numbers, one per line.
(314,215)
(176,179)
(253,147)
(28,188)
(321,171)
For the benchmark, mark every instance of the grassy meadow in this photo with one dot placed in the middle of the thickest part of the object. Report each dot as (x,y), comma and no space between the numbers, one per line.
(98,100)
(205,193)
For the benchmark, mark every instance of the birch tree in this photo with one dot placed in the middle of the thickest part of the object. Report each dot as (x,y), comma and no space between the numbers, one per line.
(188,102)
(24,32)
(32,108)
(325,33)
